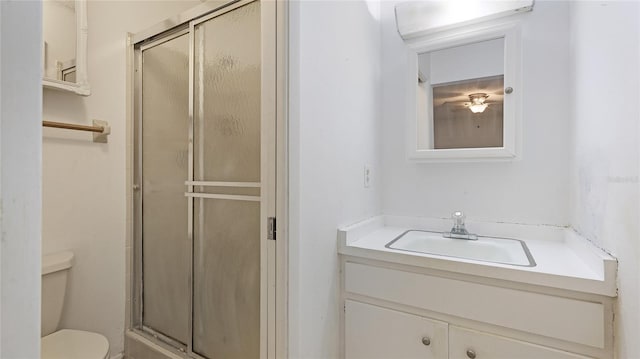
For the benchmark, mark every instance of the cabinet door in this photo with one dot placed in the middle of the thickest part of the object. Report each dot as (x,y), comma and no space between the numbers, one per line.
(470,344)
(374,332)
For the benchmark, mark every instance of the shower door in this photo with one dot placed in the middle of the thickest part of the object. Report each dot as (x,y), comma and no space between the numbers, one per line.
(204,153)
(226,208)
(163,141)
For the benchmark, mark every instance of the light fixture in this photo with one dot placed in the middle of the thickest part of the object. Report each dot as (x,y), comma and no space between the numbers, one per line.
(477,103)
(418,18)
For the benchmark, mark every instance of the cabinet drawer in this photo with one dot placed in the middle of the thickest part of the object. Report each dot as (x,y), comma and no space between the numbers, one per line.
(556,317)
(373,332)
(488,346)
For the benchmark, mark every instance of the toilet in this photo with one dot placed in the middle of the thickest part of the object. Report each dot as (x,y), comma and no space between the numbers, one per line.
(64,343)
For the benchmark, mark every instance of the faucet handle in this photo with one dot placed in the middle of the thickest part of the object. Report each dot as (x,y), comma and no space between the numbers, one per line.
(458,218)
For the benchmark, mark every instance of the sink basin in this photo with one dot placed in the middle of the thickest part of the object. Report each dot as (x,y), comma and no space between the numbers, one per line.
(487,249)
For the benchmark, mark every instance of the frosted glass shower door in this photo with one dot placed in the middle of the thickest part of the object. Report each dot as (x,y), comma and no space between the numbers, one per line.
(164,147)
(205,182)
(227,187)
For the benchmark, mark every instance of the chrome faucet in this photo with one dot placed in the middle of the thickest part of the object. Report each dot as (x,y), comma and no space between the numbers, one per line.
(459,230)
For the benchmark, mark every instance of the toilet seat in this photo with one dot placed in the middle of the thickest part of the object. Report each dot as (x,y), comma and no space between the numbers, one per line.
(74,344)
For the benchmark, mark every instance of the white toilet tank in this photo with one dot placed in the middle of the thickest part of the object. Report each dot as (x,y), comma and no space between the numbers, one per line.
(55,268)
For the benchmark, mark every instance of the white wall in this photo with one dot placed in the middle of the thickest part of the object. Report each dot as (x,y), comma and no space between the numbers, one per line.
(532,190)
(334,119)
(604,181)
(20,182)
(84,182)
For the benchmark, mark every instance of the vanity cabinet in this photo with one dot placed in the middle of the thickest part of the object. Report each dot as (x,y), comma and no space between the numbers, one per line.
(470,344)
(389,310)
(374,332)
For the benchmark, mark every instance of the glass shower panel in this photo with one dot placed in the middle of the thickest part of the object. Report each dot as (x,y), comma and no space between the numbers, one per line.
(166,249)
(226,252)
(226,301)
(227,101)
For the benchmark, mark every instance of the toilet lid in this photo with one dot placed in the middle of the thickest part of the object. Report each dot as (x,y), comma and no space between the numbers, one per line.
(74,344)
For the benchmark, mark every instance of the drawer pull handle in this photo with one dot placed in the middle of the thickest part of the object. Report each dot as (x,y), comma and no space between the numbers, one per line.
(471,354)
(426,341)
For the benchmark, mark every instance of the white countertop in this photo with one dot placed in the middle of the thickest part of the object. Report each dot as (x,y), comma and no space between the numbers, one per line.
(563,258)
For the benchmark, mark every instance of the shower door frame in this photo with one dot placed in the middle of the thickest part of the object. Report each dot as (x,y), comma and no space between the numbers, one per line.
(273,202)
